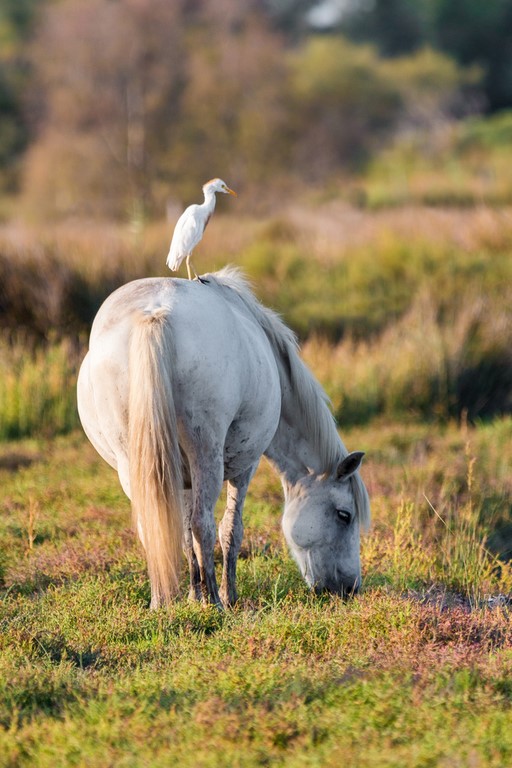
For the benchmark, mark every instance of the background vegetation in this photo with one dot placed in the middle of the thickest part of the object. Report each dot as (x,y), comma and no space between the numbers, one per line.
(370,144)
(118,108)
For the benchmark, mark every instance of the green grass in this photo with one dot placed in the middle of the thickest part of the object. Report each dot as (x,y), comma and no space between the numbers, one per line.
(414,672)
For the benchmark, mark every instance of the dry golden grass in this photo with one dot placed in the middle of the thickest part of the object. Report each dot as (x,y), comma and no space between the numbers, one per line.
(415,302)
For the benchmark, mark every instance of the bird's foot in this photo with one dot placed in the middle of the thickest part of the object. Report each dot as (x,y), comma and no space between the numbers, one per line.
(201,280)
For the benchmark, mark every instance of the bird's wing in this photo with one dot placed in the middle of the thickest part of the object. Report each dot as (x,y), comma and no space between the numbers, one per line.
(187,234)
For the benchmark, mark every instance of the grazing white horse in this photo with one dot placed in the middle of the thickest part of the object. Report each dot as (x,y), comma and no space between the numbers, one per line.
(185,386)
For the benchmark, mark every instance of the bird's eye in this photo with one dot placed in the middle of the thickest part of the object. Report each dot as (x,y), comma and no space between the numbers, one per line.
(344,516)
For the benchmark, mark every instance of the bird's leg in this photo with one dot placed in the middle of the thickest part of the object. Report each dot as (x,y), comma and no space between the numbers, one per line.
(189,270)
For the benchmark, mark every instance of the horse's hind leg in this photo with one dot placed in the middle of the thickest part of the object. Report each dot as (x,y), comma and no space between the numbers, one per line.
(231,531)
(206,486)
(195,576)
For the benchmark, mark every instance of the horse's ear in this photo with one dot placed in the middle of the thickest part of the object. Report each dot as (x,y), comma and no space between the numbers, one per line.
(349,465)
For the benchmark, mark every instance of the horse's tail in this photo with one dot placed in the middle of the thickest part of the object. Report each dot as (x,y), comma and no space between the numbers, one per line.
(154,453)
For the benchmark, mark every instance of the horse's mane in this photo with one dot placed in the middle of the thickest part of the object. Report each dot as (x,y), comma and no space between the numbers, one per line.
(310,399)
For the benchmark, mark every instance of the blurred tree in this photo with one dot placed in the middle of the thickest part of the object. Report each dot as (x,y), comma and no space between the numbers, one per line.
(139,94)
(473,31)
(107,100)
(348,101)
(16,20)
(434,88)
(138,101)
(343,104)
(290,16)
(394,26)
(479,32)
(234,102)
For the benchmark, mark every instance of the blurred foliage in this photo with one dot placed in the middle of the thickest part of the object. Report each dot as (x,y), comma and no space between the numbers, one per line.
(16,20)
(344,103)
(477,31)
(409,320)
(120,126)
(394,26)
(471,31)
(241,90)
(371,286)
(105,107)
(461,164)
(491,133)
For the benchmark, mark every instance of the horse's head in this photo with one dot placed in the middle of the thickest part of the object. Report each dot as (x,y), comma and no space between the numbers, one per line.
(321,524)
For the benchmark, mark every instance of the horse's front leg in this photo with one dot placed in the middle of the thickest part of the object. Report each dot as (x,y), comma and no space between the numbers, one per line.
(193,565)
(231,530)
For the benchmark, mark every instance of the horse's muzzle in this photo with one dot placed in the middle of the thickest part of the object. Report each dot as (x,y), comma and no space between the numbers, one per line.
(344,590)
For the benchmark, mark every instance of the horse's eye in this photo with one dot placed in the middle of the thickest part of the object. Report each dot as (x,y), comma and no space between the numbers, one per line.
(344,515)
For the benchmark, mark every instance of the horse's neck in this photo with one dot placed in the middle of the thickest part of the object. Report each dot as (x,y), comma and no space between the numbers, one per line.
(292,453)
(306,439)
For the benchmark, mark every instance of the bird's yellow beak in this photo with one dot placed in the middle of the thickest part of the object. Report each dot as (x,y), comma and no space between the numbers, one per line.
(231,191)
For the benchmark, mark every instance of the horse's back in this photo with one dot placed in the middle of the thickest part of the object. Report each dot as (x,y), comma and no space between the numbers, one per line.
(219,350)
(224,375)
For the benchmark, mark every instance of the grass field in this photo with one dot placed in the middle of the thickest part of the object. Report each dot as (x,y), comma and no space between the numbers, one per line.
(415,672)
(405,318)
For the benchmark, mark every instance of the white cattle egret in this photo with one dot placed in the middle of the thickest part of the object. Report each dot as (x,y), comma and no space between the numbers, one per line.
(191,225)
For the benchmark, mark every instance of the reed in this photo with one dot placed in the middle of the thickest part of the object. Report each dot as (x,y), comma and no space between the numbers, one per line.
(329,269)
(431,363)
(401,313)
(37,388)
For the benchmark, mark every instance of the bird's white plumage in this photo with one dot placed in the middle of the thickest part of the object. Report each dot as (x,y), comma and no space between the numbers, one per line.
(192,223)
(187,233)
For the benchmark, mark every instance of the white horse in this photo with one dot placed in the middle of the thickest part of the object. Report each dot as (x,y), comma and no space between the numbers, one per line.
(186,385)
